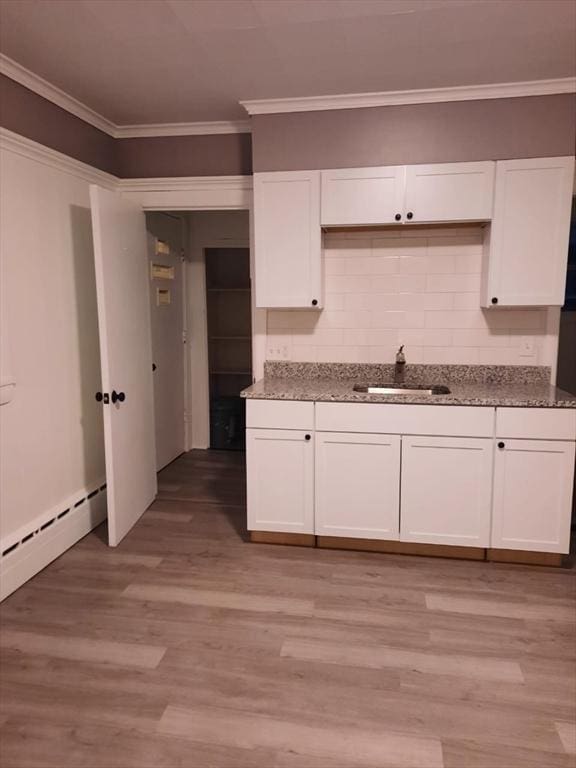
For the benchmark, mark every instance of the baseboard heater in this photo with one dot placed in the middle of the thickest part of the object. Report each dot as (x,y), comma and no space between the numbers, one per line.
(28,551)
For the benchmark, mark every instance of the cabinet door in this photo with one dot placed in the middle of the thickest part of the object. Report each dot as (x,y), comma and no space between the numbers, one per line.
(287,239)
(449,192)
(533,482)
(357,485)
(446,490)
(280,478)
(362,195)
(528,243)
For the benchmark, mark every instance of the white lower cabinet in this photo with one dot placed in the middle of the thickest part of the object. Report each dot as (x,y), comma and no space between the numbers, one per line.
(357,485)
(533,482)
(280,480)
(366,473)
(446,490)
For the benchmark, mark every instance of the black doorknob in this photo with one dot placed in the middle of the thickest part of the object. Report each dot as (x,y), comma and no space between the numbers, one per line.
(153,366)
(398,216)
(409,215)
(307,437)
(99,396)
(314,302)
(118,396)
(494,300)
(102,397)
(501,445)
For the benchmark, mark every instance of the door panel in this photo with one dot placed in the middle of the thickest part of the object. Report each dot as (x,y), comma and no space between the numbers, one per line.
(357,485)
(287,239)
(356,196)
(450,192)
(120,253)
(280,472)
(529,233)
(446,490)
(533,495)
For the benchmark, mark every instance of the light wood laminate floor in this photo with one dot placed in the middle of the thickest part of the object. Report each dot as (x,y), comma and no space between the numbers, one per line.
(188,647)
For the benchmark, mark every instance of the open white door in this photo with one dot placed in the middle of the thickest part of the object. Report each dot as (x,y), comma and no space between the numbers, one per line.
(120,254)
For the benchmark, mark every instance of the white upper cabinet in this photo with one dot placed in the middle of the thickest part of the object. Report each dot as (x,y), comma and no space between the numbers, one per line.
(449,192)
(287,239)
(363,196)
(358,485)
(446,490)
(525,262)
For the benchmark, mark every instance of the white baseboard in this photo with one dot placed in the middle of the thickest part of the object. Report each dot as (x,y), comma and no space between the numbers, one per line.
(39,547)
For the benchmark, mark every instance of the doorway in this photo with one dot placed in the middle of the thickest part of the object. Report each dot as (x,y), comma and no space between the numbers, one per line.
(166,240)
(175,252)
(201,329)
(229,344)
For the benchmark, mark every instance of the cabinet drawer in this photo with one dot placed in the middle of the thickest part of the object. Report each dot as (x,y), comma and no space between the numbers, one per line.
(279,414)
(453,420)
(536,423)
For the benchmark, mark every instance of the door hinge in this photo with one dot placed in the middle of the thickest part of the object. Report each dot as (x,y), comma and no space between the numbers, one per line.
(184,337)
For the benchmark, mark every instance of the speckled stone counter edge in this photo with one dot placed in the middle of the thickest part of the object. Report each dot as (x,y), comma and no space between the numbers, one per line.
(372,373)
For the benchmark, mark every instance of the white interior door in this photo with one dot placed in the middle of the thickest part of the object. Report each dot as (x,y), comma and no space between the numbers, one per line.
(121,259)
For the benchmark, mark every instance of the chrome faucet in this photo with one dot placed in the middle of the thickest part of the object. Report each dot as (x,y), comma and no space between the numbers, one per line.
(400,366)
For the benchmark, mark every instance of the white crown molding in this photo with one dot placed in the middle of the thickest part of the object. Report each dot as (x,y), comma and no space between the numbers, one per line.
(425,96)
(182,129)
(57,96)
(52,93)
(20,145)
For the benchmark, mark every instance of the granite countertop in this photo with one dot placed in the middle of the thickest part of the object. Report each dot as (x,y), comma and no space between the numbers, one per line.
(512,386)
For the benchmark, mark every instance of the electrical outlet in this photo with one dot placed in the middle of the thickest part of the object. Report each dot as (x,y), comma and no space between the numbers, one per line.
(527,347)
(278,352)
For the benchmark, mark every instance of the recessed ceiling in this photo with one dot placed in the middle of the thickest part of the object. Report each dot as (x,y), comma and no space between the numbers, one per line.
(165,61)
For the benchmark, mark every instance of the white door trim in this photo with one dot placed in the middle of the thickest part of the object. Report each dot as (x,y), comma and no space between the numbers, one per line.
(190,193)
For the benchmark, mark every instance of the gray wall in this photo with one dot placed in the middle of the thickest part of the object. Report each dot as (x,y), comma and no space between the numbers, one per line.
(493,129)
(216,155)
(34,117)
(537,126)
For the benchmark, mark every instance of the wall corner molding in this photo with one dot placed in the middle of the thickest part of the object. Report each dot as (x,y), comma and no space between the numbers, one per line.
(60,98)
(154,130)
(52,93)
(424,96)
(20,145)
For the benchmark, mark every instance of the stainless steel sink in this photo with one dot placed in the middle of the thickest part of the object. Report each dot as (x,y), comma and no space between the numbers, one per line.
(401,389)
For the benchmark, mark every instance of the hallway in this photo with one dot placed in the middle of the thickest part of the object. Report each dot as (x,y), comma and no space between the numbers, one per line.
(187,647)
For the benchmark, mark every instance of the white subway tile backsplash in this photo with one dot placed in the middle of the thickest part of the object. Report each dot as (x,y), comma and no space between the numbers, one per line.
(335,266)
(304,354)
(451,355)
(385,265)
(410,283)
(420,288)
(413,265)
(441,264)
(453,283)
(480,338)
(357,319)
(347,284)
(455,319)
(335,301)
(465,300)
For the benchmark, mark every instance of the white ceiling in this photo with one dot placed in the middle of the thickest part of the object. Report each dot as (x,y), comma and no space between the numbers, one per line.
(164,61)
